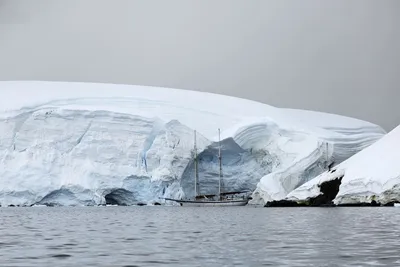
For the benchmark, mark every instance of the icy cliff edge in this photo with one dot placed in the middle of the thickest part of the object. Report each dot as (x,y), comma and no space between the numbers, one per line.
(372,175)
(90,144)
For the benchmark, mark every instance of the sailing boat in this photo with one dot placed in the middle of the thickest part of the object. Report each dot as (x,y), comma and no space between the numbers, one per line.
(209,200)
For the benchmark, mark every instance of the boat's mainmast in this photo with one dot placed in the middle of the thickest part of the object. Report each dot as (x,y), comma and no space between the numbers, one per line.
(220,164)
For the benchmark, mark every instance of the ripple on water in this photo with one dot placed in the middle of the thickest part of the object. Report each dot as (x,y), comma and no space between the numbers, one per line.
(132,239)
(60,256)
(70,244)
(128,236)
(9,244)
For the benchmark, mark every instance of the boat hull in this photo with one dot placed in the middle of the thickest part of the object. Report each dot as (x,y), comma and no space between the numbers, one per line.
(222,203)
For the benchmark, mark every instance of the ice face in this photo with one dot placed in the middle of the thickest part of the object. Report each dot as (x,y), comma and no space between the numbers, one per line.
(88,144)
(370,175)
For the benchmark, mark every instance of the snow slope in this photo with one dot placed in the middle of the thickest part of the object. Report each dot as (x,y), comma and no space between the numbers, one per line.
(87,144)
(372,174)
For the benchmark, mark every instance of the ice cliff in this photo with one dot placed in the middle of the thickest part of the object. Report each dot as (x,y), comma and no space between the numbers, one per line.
(371,175)
(89,144)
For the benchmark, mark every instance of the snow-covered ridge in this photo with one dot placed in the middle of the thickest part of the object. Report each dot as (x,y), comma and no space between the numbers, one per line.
(370,175)
(80,143)
(166,103)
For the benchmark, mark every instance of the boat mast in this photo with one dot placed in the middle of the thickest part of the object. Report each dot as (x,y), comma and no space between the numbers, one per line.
(196,171)
(327,156)
(220,164)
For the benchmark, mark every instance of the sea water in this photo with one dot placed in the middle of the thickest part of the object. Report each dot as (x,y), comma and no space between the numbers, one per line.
(183,236)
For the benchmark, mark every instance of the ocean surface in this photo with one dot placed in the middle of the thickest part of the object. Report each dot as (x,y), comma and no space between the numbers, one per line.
(183,236)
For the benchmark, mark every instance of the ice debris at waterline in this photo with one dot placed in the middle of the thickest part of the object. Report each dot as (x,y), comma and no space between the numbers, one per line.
(371,177)
(97,144)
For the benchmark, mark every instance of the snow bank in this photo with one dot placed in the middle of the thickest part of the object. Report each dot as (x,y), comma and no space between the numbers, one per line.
(87,144)
(371,175)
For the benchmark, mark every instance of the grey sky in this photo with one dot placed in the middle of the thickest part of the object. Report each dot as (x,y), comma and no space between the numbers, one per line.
(337,56)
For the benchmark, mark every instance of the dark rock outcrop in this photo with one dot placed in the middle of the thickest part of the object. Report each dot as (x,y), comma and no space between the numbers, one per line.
(328,189)
(362,204)
(284,203)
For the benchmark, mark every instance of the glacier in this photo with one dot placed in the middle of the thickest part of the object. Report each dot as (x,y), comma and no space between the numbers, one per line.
(370,176)
(64,143)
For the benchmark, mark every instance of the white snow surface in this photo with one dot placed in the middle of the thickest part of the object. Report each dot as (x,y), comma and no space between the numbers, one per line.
(68,143)
(372,174)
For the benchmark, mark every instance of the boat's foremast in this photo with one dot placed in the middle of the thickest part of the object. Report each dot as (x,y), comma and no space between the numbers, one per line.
(196,170)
